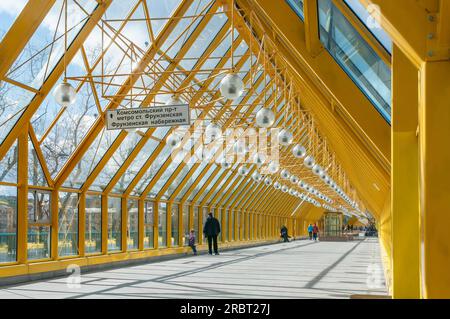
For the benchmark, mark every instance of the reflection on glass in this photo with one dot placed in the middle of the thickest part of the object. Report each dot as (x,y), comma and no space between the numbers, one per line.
(93,235)
(232,237)
(38,246)
(114,224)
(8,165)
(162,225)
(39,207)
(68,224)
(148,224)
(297,6)
(369,72)
(174,226)
(225,228)
(133,224)
(186,229)
(196,210)
(8,224)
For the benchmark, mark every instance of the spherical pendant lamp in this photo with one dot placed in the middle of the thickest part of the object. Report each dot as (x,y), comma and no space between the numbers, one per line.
(213,131)
(174,100)
(273,167)
(317,169)
(277,185)
(299,151)
(231,86)
(285,137)
(256,176)
(294,179)
(243,171)
(309,161)
(268,181)
(173,140)
(265,118)
(65,94)
(285,174)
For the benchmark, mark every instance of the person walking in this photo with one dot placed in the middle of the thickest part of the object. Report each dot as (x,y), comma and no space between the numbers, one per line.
(310,231)
(284,234)
(211,230)
(315,232)
(192,242)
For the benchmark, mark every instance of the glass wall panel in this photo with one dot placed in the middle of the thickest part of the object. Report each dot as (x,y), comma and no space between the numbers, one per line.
(297,6)
(38,246)
(133,224)
(232,220)
(362,64)
(114,224)
(196,210)
(186,229)
(162,224)
(218,215)
(148,224)
(205,212)
(8,224)
(68,224)
(225,226)
(174,226)
(93,235)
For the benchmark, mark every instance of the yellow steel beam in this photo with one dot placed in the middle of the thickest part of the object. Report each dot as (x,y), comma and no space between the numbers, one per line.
(22,197)
(313,44)
(54,76)
(434,116)
(411,38)
(405,180)
(21,31)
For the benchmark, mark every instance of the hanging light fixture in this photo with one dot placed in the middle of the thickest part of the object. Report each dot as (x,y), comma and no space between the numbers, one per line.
(273,167)
(309,161)
(317,169)
(231,86)
(213,131)
(277,185)
(285,137)
(265,118)
(256,176)
(285,174)
(173,140)
(284,189)
(225,164)
(299,151)
(243,171)
(268,181)
(174,100)
(65,94)
(294,179)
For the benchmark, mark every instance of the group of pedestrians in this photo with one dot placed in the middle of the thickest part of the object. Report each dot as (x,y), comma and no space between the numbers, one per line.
(313,232)
(211,230)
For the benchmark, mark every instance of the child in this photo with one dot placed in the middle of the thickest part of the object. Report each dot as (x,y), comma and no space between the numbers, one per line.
(192,241)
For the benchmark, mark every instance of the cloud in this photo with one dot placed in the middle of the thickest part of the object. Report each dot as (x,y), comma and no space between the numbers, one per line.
(12,7)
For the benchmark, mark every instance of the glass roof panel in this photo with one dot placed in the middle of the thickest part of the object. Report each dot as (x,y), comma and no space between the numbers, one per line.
(9,11)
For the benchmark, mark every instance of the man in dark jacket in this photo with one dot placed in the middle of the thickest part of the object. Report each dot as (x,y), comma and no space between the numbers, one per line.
(211,230)
(284,234)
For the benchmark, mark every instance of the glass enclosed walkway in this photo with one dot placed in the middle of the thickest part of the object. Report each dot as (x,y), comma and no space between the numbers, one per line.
(300,269)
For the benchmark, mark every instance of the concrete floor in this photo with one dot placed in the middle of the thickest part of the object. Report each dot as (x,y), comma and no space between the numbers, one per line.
(300,269)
